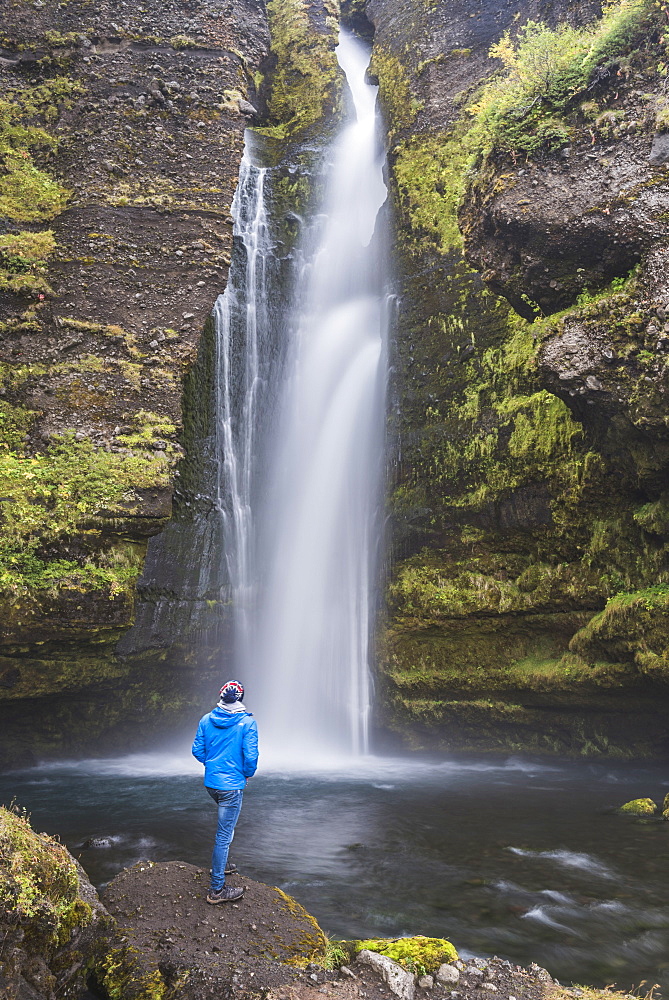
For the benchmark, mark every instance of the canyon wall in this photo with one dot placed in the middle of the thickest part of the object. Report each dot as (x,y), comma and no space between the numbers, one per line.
(122,134)
(527,598)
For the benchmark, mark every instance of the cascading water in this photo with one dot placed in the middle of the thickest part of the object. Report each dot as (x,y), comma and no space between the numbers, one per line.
(244,334)
(302,558)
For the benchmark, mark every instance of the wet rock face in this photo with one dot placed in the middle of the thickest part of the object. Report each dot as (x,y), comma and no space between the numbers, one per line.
(544,231)
(95,350)
(532,462)
(608,361)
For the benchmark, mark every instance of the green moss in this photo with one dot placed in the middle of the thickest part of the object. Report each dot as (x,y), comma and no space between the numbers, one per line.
(122,979)
(71,491)
(395,94)
(23,263)
(639,807)
(34,869)
(304,82)
(59,40)
(526,434)
(107,330)
(429,173)
(654,517)
(417,954)
(39,886)
(27,192)
(632,628)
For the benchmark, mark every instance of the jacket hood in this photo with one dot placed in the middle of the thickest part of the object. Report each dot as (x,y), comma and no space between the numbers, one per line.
(219,717)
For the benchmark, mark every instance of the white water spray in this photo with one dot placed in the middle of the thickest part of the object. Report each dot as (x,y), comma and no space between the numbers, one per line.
(303,562)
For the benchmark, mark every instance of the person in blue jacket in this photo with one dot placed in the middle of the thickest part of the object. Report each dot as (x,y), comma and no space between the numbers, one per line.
(226,743)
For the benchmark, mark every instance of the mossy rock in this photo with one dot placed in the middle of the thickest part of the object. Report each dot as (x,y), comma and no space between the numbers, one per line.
(417,954)
(174,941)
(51,921)
(639,807)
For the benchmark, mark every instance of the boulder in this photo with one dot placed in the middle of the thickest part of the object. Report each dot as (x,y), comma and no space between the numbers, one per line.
(448,975)
(175,941)
(639,807)
(53,927)
(401,982)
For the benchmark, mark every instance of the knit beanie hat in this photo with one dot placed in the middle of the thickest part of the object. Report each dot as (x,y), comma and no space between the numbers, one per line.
(231,691)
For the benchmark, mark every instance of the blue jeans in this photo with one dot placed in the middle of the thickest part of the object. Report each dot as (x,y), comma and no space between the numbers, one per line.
(229,807)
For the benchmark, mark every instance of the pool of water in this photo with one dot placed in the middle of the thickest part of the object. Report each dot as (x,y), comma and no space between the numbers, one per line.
(520,858)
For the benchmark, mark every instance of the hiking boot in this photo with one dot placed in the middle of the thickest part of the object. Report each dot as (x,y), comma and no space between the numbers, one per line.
(227,894)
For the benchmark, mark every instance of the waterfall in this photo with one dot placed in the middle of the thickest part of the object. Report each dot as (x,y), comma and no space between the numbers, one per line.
(244,337)
(302,537)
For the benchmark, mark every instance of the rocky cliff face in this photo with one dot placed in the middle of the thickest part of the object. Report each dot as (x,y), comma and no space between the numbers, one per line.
(528,510)
(527,603)
(121,134)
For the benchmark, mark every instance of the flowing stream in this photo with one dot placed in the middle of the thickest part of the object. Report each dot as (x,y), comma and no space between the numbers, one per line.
(301,439)
(516,857)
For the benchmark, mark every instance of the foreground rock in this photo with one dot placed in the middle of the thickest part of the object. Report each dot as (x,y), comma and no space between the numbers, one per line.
(173,939)
(53,927)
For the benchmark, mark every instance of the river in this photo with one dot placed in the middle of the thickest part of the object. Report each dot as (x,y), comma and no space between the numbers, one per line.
(515,857)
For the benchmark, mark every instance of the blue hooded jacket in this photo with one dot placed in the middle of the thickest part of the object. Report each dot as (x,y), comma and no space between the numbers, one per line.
(227,744)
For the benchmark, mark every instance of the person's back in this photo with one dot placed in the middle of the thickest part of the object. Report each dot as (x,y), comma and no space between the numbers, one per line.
(226,743)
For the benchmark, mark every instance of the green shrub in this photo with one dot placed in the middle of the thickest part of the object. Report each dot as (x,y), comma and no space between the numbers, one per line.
(544,69)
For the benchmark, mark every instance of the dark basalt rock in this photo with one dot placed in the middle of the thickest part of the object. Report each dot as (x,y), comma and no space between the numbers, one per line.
(542,233)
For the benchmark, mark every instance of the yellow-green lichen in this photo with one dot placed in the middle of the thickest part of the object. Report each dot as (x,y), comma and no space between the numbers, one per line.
(123,978)
(418,954)
(312,944)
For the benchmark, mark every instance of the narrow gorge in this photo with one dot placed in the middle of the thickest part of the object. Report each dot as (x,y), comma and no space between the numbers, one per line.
(525,567)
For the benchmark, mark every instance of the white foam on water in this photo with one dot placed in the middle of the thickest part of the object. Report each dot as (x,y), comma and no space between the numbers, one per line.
(557,897)
(539,914)
(569,859)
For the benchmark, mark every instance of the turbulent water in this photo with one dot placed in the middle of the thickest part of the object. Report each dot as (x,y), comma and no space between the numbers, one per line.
(301,445)
(518,858)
